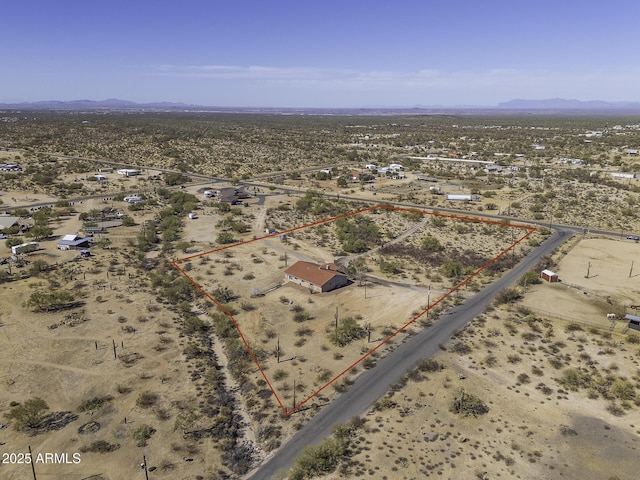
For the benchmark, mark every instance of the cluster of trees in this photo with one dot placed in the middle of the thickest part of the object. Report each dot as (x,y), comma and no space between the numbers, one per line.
(40,301)
(358,234)
(609,387)
(230,222)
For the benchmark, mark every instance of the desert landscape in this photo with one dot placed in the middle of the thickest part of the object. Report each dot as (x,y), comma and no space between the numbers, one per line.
(137,352)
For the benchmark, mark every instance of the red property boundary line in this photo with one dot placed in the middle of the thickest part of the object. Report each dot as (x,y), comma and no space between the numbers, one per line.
(176,263)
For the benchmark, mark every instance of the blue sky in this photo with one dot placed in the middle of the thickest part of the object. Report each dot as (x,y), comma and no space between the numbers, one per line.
(320,54)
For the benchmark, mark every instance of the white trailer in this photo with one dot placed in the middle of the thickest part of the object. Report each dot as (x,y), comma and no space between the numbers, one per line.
(24,248)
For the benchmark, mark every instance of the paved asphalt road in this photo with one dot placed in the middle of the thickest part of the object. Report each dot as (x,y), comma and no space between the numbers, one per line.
(375,382)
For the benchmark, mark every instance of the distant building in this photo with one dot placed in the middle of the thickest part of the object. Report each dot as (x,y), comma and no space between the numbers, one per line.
(74,242)
(318,278)
(460,197)
(128,172)
(426,178)
(9,167)
(549,276)
(8,221)
(623,175)
(231,195)
(632,151)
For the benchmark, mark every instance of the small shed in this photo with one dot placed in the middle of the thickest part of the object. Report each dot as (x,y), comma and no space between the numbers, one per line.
(549,276)
(634,321)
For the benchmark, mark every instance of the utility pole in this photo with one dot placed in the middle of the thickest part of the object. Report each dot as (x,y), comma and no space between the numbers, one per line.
(336,316)
(278,350)
(294,393)
(428,301)
(365,286)
(588,270)
(144,465)
(631,271)
(32,462)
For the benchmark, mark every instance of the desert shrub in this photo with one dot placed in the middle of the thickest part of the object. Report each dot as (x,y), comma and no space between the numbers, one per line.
(247,306)
(508,295)
(451,268)
(94,403)
(280,375)
(147,399)
(390,268)
(633,338)
(348,330)
(225,238)
(574,327)
(325,375)
(429,365)
(100,446)
(461,348)
(142,434)
(573,379)
(385,403)
(192,350)
(623,389)
(53,300)
(29,414)
(514,358)
(431,244)
(194,325)
(224,295)
(304,332)
(556,363)
(530,278)
(318,460)
(468,404)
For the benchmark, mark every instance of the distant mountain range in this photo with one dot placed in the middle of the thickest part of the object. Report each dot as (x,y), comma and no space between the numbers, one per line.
(564,104)
(552,105)
(109,104)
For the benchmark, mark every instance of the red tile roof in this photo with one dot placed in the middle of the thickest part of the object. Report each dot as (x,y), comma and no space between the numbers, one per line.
(314,273)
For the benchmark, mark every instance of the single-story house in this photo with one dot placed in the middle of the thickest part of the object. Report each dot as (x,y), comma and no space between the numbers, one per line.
(231,195)
(7,221)
(549,276)
(318,278)
(74,242)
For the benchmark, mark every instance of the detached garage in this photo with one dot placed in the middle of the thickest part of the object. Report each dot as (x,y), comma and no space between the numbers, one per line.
(549,276)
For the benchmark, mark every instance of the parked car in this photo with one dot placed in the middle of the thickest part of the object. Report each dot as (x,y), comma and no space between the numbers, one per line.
(192,215)
(3,236)
(633,237)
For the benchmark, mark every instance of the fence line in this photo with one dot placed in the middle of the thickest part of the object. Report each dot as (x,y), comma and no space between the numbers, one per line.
(610,327)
